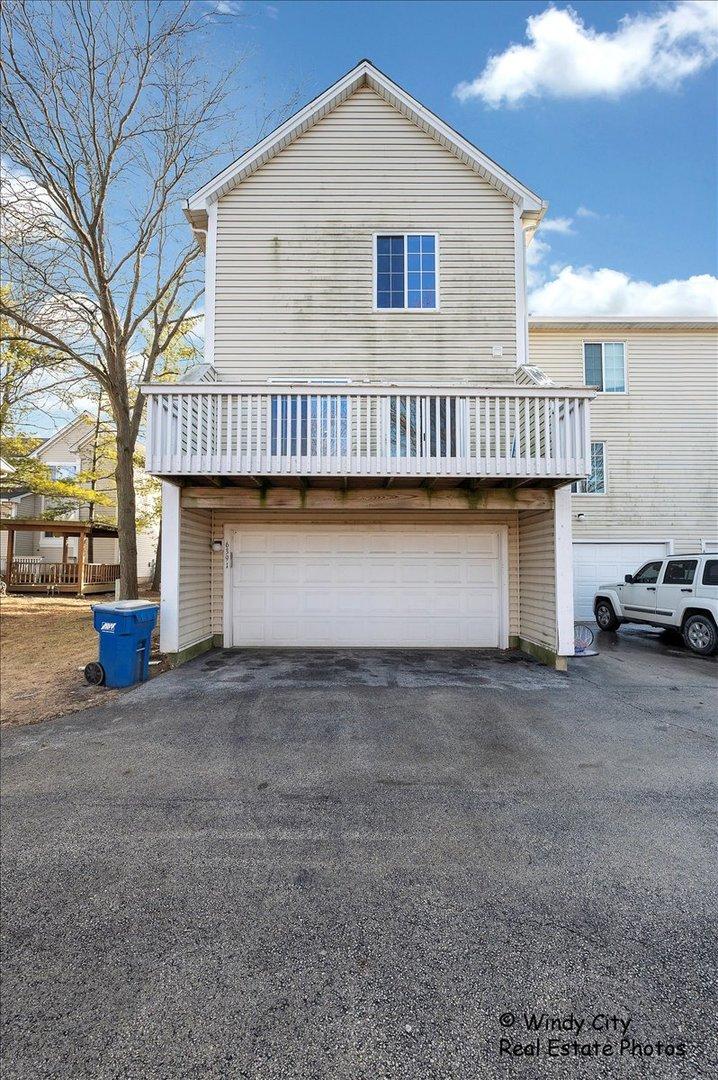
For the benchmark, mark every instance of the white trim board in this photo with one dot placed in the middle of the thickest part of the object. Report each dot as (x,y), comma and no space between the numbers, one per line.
(626,540)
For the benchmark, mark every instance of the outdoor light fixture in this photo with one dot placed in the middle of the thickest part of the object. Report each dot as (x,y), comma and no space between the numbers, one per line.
(217,546)
(580,517)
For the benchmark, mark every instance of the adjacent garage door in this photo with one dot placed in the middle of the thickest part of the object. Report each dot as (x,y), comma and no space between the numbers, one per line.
(366,585)
(599,564)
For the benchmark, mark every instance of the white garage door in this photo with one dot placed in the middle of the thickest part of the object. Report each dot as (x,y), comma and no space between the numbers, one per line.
(365,585)
(599,564)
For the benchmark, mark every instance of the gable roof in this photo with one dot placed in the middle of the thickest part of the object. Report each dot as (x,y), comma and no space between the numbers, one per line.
(364,74)
(82,418)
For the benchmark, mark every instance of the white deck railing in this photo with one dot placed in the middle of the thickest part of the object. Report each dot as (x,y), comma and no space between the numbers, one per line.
(214,429)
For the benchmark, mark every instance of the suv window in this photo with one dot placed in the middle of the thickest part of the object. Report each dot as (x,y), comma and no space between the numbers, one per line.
(680,572)
(648,574)
(710,572)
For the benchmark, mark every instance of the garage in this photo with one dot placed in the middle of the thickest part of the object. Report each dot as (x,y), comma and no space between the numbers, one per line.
(596,563)
(359,584)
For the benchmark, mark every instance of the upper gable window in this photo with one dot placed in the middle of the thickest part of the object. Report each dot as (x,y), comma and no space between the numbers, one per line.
(406,274)
(604,366)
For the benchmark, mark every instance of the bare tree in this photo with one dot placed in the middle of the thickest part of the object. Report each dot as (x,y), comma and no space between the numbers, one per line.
(112,114)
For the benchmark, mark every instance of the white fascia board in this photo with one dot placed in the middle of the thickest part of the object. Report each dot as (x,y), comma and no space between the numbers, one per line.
(707,322)
(365,74)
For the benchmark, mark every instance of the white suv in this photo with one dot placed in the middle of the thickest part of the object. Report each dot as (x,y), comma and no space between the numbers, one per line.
(679,592)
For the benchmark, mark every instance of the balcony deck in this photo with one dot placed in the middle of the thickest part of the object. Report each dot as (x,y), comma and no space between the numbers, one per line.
(368,435)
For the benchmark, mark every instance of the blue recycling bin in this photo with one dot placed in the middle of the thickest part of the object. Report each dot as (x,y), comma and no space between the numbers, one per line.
(125,631)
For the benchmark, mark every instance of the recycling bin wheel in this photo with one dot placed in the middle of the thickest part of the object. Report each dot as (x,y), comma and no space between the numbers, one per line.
(95,673)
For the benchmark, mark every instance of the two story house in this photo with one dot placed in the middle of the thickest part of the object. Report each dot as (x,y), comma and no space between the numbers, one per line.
(359,465)
(68,453)
(653,487)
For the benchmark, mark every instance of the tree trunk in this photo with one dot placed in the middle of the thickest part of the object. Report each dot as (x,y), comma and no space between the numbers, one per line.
(157,573)
(126,515)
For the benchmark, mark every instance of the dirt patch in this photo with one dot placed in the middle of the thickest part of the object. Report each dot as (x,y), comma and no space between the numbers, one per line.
(44,642)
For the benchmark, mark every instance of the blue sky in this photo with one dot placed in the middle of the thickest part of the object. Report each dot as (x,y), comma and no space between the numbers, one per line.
(637,150)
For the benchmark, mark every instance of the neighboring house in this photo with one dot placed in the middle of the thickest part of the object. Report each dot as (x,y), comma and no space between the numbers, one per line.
(68,453)
(653,488)
(365,470)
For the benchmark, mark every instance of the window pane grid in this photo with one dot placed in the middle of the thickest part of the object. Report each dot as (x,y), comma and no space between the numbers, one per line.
(595,484)
(406,271)
(604,366)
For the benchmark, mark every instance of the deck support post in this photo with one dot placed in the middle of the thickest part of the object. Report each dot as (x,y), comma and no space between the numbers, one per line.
(81,542)
(169,589)
(9,555)
(563,552)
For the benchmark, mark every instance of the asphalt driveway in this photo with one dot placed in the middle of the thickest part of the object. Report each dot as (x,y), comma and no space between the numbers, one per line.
(346,865)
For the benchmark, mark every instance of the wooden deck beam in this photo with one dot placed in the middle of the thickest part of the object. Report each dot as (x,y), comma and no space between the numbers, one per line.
(314,498)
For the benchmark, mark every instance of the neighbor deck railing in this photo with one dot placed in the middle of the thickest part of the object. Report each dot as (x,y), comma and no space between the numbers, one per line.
(28,571)
(214,429)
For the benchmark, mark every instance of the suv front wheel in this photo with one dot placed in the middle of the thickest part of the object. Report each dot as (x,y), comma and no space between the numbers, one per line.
(700,635)
(606,616)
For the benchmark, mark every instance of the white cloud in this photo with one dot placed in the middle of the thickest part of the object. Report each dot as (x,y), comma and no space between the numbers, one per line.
(27,212)
(584,212)
(536,252)
(226,7)
(585,291)
(562,225)
(564,58)
(271,11)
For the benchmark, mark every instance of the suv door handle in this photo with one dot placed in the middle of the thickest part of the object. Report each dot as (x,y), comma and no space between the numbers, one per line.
(686,590)
(650,588)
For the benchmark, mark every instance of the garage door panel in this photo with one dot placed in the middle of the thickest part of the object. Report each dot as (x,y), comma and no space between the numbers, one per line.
(596,564)
(366,586)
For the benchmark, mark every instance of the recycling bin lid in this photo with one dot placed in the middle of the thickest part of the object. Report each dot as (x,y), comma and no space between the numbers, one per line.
(125,605)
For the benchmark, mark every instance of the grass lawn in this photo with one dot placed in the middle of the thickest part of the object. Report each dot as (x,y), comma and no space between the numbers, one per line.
(44,640)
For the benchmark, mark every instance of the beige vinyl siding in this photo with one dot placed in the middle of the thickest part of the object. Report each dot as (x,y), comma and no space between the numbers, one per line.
(294,261)
(146,553)
(64,450)
(221,518)
(194,577)
(537,584)
(661,437)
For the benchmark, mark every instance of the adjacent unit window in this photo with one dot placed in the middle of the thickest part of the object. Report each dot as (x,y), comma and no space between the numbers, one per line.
(604,366)
(406,272)
(596,482)
(680,572)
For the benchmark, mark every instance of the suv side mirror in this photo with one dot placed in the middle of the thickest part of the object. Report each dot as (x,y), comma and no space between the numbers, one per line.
(628,579)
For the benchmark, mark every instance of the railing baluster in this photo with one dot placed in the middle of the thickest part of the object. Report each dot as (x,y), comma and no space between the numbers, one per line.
(494,432)
(516,445)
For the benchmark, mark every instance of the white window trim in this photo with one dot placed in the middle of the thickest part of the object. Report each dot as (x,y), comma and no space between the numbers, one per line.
(374,291)
(596,494)
(602,342)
